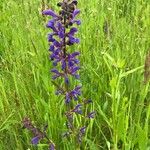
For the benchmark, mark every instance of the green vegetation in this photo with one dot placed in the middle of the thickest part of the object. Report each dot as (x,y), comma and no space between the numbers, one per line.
(115,38)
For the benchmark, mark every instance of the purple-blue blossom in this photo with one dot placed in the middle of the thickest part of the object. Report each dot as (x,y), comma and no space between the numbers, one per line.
(62,34)
(91,115)
(73,95)
(51,146)
(35,140)
(78,109)
(66,66)
(82,130)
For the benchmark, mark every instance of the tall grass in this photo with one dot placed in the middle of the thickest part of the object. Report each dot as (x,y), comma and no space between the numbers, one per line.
(115,37)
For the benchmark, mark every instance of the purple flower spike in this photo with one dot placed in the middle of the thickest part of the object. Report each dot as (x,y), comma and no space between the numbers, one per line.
(57,44)
(73,40)
(51,24)
(75,54)
(66,69)
(73,94)
(77,76)
(51,48)
(50,37)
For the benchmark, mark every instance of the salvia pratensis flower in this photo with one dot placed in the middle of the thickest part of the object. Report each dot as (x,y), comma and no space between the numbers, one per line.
(66,66)
(35,140)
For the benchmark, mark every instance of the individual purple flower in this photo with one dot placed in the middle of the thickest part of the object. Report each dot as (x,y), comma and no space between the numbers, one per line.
(72,40)
(81,133)
(73,64)
(78,109)
(75,13)
(73,94)
(76,92)
(77,76)
(51,146)
(66,64)
(35,140)
(91,115)
(74,54)
(72,31)
(61,30)
(74,69)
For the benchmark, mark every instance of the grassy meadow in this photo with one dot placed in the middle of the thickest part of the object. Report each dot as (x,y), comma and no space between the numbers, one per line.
(115,39)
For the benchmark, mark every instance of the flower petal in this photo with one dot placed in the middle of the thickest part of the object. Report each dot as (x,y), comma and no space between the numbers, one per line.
(49,13)
(35,140)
